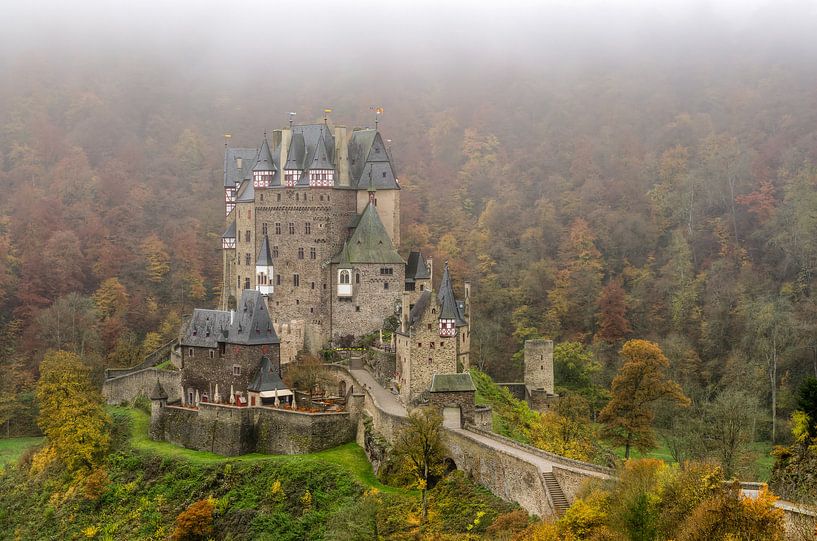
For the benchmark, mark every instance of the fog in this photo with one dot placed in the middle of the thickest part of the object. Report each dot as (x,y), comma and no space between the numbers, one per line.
(236,37)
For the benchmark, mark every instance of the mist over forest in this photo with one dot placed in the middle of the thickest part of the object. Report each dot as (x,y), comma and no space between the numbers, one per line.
(599,171)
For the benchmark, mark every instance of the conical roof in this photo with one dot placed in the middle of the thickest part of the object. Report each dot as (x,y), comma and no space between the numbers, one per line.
(449,307)
(265,161)
(264,256)
(158,392)
(320,158)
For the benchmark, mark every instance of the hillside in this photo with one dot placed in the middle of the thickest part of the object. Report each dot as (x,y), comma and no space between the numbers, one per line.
(328,495)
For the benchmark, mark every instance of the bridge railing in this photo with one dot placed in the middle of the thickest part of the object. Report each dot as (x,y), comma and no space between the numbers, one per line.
(557,459)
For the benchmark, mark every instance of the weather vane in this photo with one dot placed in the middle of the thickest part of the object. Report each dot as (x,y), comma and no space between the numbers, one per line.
(377,112)
(291,118)
(326,115)
(227,137)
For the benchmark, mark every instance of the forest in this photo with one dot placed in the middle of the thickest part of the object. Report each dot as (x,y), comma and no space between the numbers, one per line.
(665,194)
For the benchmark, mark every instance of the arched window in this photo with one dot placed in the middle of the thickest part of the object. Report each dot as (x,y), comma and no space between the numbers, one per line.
(345,277)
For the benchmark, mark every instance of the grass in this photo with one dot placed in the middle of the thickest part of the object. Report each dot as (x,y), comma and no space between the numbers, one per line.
(349,456)
(12,448)
(762,465)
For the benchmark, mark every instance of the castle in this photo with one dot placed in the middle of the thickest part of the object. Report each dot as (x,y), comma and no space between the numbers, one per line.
(311,260)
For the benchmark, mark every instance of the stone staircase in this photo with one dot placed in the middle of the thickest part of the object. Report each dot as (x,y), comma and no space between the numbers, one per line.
(557,497)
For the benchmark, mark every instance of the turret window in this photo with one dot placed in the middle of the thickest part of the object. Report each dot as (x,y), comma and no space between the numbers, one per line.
(291,228)
(247,259)
(296,280)
(264,229)
(274,251)
(345,277)
(247,236)
(277,228)
(307,228)
(300,253)
(313,253)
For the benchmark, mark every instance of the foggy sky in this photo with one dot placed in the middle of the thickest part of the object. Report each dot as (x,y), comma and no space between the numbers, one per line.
(321,35)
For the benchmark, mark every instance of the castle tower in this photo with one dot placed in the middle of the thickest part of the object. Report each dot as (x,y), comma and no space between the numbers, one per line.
(264,270)
(538,373)
(264,168)
(158,401)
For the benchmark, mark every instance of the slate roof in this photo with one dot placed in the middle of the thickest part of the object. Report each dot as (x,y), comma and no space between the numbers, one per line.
(343,257)
(369,159)
(246,193)
(265,255)
(450,307)
(230,232)
(232,174)
(417,268)
(266,379)
(370,243)
(251,324)
(419,307)
(264,162)
(448,383)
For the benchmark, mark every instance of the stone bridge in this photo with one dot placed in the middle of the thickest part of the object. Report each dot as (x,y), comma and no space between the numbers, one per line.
(542,483)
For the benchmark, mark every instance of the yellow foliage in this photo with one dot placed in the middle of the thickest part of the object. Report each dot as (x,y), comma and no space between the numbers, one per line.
(90,532)
(276,489)
(306,500)
(541,531)
(586,514)
(72,416)
(42,459)
(151,343)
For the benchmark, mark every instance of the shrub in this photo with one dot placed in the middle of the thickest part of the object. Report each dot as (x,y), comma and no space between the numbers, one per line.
(195,522)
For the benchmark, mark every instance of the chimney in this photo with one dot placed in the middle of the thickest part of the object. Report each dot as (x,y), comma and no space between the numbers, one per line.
(286,137)
(404,313)
(276,139)
(232,316)
(342,155)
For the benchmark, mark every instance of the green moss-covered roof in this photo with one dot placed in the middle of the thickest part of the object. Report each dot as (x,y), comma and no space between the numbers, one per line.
(370,243)
(448,383)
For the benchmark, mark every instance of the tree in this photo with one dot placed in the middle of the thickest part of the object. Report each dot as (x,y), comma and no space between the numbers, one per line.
(612,318)
(420,446)
(728,427)
(807,403)
(72,415)
(157,261)
(70,324)
(111,298)
(640,383)
(307,373)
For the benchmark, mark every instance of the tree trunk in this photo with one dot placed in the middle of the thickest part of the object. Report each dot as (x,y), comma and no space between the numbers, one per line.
(627,448)
(425,487)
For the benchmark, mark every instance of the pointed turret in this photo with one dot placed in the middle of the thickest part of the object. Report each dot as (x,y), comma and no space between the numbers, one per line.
(321,169)
(264,269)
(264,167)
(450,316)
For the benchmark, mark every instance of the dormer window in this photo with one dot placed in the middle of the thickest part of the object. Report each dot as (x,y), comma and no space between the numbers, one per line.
(291,176)
(262,179)
(448,327)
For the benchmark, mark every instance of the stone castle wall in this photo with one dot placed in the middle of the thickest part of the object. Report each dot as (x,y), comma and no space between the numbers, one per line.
(232,431)
(202,373)
(539,365)
(382,365)
(291,334)
(374,296)
(122,389)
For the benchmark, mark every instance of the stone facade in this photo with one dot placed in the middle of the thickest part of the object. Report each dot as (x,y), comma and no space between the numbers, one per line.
(376,289)
(464,400)
(233,365)
(291,334)
(539,365)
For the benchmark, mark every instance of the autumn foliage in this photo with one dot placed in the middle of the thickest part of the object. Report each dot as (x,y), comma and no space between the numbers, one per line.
(196,522)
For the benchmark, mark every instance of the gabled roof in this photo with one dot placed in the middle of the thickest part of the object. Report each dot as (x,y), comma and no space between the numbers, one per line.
(266,379)
(320,155)
(370,243)
(450,309)
(343,257)
(230,232)
(296,153)
(359,145)
(249,325)
(264,256)
(417,268)
(264,161)
(448,383)
(232,174)
(369,158)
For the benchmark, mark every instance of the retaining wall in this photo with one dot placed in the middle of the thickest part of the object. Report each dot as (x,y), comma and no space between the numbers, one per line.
(126,388)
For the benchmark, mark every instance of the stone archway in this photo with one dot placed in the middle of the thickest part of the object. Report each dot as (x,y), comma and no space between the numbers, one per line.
(452,417)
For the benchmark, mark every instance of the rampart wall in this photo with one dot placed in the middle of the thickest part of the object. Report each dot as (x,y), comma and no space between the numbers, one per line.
(126,388)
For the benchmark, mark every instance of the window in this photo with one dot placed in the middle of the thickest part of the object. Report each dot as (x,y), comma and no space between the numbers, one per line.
(246,283)
(190,352)
(274,251)
(262,195)
(239,280)
(300,253)
(431,345)
(385,285)
(236,370)
(313,253)
(249,214)
(422,287)
(384,176)
(313,285)
(357,277)
(357,308)
(247,236)
(264,228)
(277,228)
(429,326)
(344,276)
(278,279)
(278,197)
(296,280)
(212,353)
(387,271)
(247,259)
(307,228)
(291,228)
